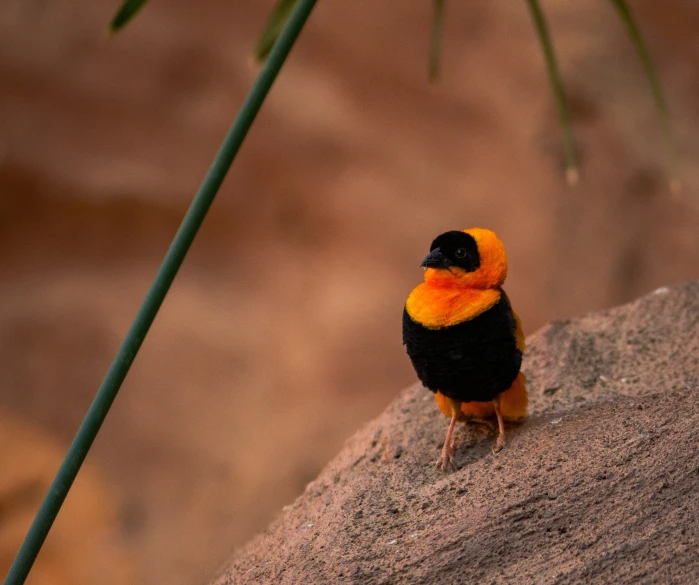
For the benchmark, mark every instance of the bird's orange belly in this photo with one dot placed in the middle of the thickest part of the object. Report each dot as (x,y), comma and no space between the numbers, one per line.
(513,403)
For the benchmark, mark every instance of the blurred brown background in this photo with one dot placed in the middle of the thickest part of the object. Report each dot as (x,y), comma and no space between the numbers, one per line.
(281,334)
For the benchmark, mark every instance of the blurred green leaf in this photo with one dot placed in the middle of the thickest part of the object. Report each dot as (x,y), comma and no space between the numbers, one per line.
(653,79)
(558,92)
(436,40)
(273,27)
(127,11)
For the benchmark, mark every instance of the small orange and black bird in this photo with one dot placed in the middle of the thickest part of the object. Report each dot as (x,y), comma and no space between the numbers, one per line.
(462,336)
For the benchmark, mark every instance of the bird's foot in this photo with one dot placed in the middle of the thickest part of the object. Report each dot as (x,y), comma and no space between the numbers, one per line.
(499,445)
(447,458)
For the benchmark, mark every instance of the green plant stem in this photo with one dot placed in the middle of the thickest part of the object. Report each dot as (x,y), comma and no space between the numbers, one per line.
(436,39)
(653,80)
(125,13)
(273,27)
(559,93)
(193,219)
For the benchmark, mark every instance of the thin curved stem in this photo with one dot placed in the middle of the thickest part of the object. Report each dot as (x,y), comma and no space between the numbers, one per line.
(126,354)
(125,13)
(558,92)
(654,82)
(273,28)
(436,40)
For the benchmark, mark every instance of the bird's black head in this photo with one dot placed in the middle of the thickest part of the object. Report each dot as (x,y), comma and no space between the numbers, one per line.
(453,248)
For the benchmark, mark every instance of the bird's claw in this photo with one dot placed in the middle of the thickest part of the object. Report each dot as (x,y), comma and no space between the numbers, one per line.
(499,445)
(446,459)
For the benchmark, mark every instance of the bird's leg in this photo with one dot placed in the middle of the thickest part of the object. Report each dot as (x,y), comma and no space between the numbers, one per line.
(500,443)
(449,448)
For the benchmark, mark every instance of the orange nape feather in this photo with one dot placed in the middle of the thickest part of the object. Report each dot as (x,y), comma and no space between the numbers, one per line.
(513,403)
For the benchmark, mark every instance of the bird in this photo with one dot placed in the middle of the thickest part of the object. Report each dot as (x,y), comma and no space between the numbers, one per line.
(462,336)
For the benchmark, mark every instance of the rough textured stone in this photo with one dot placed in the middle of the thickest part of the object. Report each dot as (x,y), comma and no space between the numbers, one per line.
(599,485)
(355,163)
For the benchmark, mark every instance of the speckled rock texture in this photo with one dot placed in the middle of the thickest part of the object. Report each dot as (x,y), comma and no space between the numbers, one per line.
(599,485)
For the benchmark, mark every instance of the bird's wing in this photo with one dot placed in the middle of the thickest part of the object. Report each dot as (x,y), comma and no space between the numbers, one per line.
(519,332)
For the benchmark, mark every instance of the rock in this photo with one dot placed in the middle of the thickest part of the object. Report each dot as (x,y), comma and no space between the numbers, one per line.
(354,164)
(599,485)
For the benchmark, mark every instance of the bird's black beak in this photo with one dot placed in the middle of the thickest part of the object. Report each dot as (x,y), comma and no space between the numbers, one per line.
(435,259)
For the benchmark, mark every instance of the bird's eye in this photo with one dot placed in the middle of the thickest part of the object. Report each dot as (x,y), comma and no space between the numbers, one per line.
(460,253)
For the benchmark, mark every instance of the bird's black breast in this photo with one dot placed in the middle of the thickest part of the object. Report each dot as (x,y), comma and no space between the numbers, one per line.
(472,361)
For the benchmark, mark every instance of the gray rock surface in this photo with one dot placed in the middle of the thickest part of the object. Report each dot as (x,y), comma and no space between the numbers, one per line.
(599,485)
